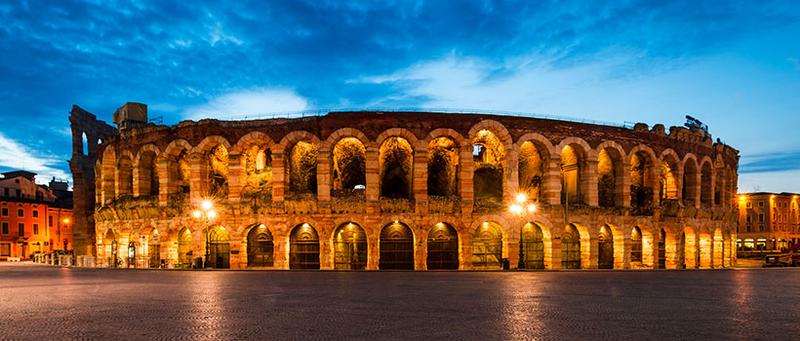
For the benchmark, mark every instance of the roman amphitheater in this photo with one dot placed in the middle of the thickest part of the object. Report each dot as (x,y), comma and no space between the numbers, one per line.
(368,190)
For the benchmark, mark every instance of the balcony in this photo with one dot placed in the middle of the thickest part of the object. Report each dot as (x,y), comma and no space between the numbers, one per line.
(348,201)
(447,205)
(396,205)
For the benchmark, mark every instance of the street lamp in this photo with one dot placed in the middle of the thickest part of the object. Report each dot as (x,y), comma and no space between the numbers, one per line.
(521,207)
(206,214)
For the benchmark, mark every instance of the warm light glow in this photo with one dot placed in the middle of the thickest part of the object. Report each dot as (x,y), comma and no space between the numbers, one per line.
(521,198)
(262,226)
(206,205)
(742,198)
(196,214)
(211,214)
(66,220)
(516,209)
(532,208)
(396,221)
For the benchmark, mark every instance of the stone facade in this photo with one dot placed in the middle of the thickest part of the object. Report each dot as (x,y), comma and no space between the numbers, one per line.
(408,190)
(768,221)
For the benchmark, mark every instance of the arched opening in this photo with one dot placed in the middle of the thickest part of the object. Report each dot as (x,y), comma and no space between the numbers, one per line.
(718,249)
(304,248)
(125,176)
(690,186)
(572,159)
(84,144)
(179,172)
(260,247)
(533,246)
(662,249)
(706,196)
(609,178)
(302,170)
(487,246)
(396,164)
(256,162)
(219,248)
(605,248)
(396,247)
(110,243)
(442,248)
(489,158)
(148,174)
(185,249)
(531,170)
(154,249)
(641,189)
(349,168)
(668,180)
(349,247)
(217,171)
(443,167)
(636,245)
(719,186)
(571,248)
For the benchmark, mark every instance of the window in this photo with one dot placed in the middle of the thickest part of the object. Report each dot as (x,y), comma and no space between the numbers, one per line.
(5,192)
(36,229)
(5,211)
(748,219)
(21,228)
(5,249)
(5,228)
(760,204)
(35,214)
(20,213)
(761,228)
(749,204)
(50,221)
(18,194)
(761,217)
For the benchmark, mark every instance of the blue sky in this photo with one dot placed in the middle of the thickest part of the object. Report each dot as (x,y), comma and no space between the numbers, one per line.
(735,65)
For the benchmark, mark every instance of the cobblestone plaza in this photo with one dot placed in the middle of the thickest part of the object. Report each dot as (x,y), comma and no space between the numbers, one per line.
(147,304)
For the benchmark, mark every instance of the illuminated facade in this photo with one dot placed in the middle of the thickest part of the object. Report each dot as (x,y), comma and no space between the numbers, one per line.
(401,190)
(768,221)
(33,218)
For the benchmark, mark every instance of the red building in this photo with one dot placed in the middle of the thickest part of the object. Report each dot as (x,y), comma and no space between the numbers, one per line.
(33,218)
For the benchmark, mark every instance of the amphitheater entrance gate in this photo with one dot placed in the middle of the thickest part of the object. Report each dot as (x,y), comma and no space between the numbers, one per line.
(219,248)
(571,248)
(260,247)
(304,248)
(605,257)
(533,246)
(397,247)
(350,247)
(185,248)
(487,247)
(442,248)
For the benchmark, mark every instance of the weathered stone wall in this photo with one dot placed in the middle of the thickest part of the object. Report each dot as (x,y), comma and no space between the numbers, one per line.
(697,233)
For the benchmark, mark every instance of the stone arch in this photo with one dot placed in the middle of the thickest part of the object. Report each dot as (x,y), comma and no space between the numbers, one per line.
(537,245)
(490,175)
(259,246)
(396,167)
(108,172)
(398,132)
(145,170)
(178,167)
(301,150)
(348,167)
(637,247)
(446,132)
(487,246)
(669,183)
(718,249)
(347,132)
(496,128)
(575,154)
(534,153)
(687,249)
(349,247)
(205,146)
(444,165)
(572,245)
(705,249)
(443,247)
(396,245)
(611,174)
(706,182)
(252,138)
(691,180)
(124,174)
(304,247)
(643,177)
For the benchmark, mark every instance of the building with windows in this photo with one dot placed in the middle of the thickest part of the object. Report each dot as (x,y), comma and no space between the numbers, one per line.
(33,218)
(768,221)
(401,190)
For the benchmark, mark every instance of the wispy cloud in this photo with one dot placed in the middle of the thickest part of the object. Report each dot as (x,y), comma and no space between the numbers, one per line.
(253,102)
(770,162)
(15,156)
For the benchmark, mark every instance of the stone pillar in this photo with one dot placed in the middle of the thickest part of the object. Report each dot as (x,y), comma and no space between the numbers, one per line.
(235,177)
(511,244)
(551,186)
(465,251)
(419,179)
(678,173)
(197,179)
(554,263)
(278,175)
(510,177)
(373,253)
(420,252)
(589,183)
(466,188)
(324,173)
(697,189)
(137,181)
(705,251)
(373,189)
(165,183)
(590,260)
(623,190)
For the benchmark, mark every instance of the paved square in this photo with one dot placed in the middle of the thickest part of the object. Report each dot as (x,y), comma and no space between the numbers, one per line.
(45,302)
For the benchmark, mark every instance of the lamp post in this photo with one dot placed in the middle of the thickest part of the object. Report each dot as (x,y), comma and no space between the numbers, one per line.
(521,208)
(206,214)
